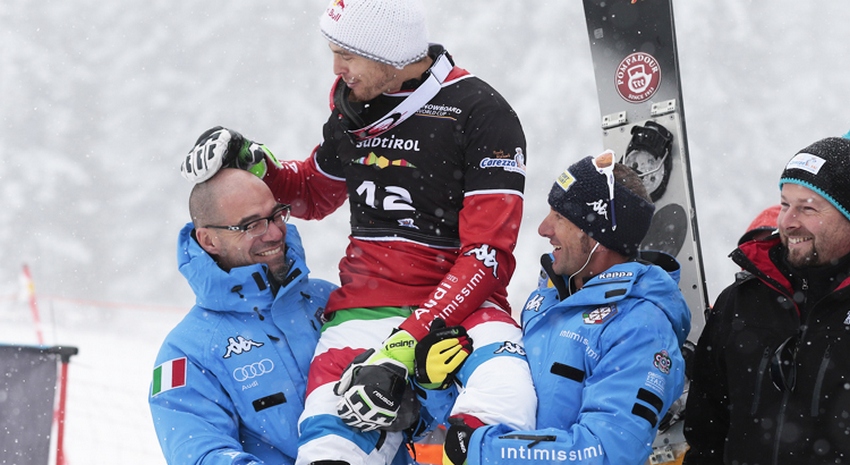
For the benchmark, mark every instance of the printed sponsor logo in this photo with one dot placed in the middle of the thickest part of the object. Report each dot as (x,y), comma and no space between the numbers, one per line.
(439,110)
(806,162)
(382,126)
(407,223)
(565,180)
(240,345)
(389,402)
(444,289)
(541,453)
(486,256)
(390,143)
(511,348)
(600,315)
(516,164)
(381,162)
(397,344)
(662,362)
(582,340)
(637,77)
(335,9)
(534,303)
(253,370)
(655,382)
(847,320)
(615,275)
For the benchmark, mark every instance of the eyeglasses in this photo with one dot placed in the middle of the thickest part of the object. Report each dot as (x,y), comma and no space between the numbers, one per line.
(783,365)
(259,227)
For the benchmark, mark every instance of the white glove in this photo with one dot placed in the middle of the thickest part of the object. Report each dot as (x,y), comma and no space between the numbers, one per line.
(371,394)
(220,147)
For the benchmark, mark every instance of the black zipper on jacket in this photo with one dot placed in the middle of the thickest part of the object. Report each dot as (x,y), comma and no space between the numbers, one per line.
(765,358)
(819,382)
(780,424)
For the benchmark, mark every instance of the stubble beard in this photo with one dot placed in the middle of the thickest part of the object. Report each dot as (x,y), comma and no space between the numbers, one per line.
(371,92)
(280,272)
(802,259)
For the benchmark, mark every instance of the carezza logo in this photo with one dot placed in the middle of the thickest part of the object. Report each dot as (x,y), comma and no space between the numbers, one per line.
(637,77)
(253,370)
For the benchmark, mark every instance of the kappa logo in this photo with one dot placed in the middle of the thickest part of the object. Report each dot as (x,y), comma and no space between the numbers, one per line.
(533,304)
(600,207)
(615,275)
(486,256)
(511,348)
(600,315)
(240,345)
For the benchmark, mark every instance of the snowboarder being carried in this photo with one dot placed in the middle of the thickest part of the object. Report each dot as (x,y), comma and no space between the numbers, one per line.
(432,162)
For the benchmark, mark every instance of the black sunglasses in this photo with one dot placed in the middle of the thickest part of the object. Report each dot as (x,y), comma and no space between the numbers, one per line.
(783,364)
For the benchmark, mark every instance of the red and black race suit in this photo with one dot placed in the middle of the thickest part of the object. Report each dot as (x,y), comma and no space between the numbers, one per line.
(436,202)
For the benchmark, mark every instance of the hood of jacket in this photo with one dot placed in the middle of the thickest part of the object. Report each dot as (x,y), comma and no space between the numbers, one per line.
(653,277)
(219,290)
(759,258)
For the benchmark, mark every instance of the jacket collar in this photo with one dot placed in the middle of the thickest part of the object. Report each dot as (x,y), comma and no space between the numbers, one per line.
(243,288)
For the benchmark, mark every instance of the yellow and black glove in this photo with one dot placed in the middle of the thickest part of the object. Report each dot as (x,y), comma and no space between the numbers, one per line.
(440,354)
(456,447)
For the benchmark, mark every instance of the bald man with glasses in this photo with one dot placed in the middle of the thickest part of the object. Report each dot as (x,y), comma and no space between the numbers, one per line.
(230,379)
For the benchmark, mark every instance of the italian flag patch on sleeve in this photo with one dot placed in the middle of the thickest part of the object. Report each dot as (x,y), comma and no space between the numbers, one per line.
(169,375)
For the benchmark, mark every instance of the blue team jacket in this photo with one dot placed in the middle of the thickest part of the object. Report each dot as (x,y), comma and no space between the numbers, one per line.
(237,364)
(606,365)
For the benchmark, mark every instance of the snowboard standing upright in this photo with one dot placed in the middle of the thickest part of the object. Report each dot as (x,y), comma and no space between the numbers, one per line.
(635,61)
(633,45)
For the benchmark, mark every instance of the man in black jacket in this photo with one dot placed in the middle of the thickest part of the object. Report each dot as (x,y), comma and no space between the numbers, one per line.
(771,375)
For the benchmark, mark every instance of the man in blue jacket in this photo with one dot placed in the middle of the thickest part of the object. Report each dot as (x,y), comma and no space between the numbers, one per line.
(230,379)
(603,339)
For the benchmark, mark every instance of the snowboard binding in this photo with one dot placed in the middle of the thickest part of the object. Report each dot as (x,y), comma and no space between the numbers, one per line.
(648,153)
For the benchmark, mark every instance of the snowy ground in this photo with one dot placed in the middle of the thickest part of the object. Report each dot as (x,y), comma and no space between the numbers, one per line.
(107,417)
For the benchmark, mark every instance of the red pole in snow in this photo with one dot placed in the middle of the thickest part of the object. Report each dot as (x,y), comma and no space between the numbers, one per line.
(65,354)
(30,289)
(60,426)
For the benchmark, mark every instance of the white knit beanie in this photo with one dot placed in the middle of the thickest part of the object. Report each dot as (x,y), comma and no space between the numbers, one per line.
(387,31)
